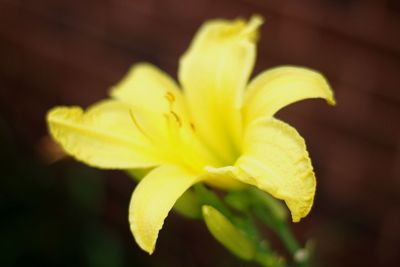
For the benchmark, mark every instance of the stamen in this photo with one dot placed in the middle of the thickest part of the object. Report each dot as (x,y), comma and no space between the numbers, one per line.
(170,97)
(137,124)
(178,120)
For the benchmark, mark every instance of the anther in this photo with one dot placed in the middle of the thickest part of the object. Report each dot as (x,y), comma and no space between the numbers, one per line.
(170,97)
(192,126)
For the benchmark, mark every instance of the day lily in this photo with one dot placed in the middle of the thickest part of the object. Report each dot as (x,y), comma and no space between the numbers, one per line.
(213,127)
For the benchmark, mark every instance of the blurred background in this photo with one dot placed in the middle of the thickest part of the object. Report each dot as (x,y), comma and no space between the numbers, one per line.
(60,52)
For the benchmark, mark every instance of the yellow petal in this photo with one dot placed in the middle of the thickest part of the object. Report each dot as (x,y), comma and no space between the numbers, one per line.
(275,160)
(213,73)
(147,87)
(152,200)
(159,112)
(155,99)
(104,136)
(223,178)
(174,139)
(276,88)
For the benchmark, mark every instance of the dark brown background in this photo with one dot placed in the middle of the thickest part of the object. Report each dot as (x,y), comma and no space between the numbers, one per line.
(55,52)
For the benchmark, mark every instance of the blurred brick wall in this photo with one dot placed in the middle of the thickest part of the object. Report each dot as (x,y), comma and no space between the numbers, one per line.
(56,52)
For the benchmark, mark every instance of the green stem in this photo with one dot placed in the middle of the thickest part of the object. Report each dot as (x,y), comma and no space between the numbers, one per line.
(291,244)
(273,214)
(266,260)
(288,239)
(268,211)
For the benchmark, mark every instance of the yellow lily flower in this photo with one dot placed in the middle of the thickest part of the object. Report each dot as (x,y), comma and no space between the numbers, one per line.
(219,129)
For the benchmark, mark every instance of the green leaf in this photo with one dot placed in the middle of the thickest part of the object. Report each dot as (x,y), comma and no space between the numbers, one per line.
(227,234)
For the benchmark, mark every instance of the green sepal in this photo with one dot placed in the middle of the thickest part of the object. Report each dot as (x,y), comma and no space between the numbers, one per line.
(189,205)
(238,200)
(272,205)
(138,174)
(208,197)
